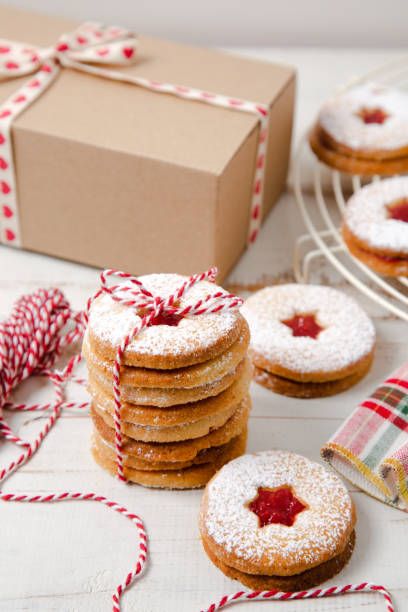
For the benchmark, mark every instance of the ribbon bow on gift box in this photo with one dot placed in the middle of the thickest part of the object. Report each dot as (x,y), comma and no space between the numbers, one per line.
(371,447)
(91,43)
(95,49)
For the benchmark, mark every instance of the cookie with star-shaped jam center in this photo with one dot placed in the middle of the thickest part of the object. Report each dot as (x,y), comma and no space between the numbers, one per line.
(307,340)
(277,520)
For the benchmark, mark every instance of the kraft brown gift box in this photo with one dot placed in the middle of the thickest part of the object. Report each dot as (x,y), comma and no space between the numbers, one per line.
(113,175)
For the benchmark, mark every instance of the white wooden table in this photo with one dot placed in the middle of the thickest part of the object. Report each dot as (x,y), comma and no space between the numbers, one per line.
(70,556)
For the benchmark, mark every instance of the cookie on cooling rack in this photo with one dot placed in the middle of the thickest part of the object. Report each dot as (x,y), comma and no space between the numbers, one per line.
(363,130)
(276,520)
(308,341)
(375,226)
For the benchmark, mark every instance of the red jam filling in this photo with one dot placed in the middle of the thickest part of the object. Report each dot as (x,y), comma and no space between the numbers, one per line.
(304,325)
(398,210)
(167,319)
(389,258)
(373,115)
(278,506)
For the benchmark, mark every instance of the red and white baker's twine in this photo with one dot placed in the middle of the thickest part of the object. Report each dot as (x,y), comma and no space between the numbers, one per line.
(364,587)
(89,48)
(32,340)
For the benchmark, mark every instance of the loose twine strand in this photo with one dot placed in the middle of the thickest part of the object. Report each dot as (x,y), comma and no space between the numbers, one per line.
(31,341)
(364,587)
(33,338)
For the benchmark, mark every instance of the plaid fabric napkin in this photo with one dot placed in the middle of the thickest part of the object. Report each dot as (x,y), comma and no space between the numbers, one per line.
(371,447)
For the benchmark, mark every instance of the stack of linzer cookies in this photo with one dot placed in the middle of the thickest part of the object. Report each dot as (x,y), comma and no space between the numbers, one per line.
(184,388)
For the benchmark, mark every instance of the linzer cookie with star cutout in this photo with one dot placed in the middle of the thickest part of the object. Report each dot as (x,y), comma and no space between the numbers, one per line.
(184,381)
(375,226)
(363,130)
(308,341)
(276,520)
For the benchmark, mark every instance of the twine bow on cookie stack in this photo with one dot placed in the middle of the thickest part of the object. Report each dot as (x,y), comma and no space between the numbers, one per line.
(94,49)
(134,295)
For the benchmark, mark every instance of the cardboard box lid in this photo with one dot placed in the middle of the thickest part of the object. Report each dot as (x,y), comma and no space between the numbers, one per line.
(127,118)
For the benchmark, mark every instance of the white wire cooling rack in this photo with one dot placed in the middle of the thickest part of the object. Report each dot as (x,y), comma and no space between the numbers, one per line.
(322,215)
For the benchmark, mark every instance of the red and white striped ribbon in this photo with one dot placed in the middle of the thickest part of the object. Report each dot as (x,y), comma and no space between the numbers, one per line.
(89,48)
(363,587)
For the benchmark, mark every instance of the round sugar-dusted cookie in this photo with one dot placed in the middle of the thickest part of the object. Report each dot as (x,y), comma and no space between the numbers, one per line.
(363,130)
(299,582)
(353,165)
(173,433)
(308,334)
(375,226)
(172,341)
(188,478)
(205,456)
(177,451)
(190,376)
(277,520)
(178,414)
(369,121)
(306,390)
(162,398)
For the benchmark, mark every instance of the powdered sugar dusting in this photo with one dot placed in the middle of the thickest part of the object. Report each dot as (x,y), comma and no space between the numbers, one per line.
(366,215)
(111,322)
(339,117)
(321,528)
(348,333)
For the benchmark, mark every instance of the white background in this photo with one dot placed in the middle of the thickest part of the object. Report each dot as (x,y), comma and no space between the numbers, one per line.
(350,23)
